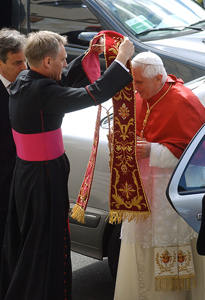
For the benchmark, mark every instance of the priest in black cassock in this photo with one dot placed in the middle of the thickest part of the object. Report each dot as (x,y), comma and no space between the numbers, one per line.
(36,254)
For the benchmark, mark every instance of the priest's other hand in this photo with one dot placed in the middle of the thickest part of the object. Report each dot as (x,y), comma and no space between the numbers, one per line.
(99,46)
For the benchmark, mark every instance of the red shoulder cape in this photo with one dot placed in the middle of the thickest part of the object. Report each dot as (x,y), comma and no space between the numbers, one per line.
(175,118)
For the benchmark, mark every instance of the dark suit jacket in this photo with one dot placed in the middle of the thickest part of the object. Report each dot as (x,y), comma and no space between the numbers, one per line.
(7,149)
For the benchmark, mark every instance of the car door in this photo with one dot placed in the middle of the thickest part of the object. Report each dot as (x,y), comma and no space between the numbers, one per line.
(186,188)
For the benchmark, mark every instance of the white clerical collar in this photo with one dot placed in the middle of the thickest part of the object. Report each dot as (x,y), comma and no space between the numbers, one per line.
(5,82)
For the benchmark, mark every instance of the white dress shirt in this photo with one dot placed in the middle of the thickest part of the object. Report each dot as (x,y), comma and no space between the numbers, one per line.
(5,82)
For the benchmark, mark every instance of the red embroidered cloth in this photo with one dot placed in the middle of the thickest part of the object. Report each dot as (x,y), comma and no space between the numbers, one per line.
(127,198)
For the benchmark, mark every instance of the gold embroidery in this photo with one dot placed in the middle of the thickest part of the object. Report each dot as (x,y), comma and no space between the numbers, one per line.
(167,259)
(174,269)
(129,190)
(124,94)
(124,128)
(123,111)
(127,197)
(124,157)
(117,41)
(184,260)
(126,189)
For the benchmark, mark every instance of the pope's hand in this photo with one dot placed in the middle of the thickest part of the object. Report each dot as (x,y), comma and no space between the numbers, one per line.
(143,149)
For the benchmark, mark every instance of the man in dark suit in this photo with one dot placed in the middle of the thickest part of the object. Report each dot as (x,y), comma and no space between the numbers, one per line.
(12,62)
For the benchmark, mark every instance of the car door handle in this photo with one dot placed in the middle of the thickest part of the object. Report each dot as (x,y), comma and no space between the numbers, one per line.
(199,216)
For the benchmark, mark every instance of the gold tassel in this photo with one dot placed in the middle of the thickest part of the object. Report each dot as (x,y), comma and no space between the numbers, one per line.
(78,213)
(116,216)
(168,283)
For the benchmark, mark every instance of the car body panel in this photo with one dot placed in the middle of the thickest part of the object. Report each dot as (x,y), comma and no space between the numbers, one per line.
(193,43)
(188,203)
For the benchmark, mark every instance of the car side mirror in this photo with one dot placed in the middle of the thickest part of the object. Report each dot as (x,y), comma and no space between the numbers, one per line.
(86,37)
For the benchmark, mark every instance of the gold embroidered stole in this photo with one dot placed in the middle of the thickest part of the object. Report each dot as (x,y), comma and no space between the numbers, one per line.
(91,66)
(174,268)
(127,198)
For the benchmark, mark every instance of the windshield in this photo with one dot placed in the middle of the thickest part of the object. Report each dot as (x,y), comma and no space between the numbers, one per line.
(145,16)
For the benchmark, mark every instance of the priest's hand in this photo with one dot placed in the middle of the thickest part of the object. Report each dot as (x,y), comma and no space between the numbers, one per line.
(143,149)
(126,50)
(99,46)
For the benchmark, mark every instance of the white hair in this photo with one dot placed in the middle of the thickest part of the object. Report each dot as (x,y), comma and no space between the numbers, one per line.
(150,70)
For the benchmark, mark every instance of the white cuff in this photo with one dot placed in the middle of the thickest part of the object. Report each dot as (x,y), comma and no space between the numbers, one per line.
(119,62)
(161,157)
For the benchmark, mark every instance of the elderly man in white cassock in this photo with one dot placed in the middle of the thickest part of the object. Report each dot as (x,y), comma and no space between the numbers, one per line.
(158,258)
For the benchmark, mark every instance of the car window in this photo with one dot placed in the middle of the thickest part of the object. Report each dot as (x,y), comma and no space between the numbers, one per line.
(193,177)
(151,18)
(64,17)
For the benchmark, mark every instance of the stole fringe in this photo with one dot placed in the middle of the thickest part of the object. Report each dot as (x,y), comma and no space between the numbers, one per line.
(117,216)
(78,213)
(168,283)
(114,216)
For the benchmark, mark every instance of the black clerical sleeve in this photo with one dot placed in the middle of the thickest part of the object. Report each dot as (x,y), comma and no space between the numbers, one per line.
(34,95)
(58,99)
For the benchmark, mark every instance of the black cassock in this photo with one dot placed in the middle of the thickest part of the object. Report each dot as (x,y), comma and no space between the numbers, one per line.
(36,253)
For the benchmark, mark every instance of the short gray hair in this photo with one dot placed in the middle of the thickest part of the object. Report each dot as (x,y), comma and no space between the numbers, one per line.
(150,71)
(41,44)
(10,41)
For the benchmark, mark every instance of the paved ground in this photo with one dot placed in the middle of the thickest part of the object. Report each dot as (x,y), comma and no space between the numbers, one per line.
(91,279)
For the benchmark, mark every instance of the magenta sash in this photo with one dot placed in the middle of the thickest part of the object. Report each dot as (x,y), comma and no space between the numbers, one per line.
(39,146)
